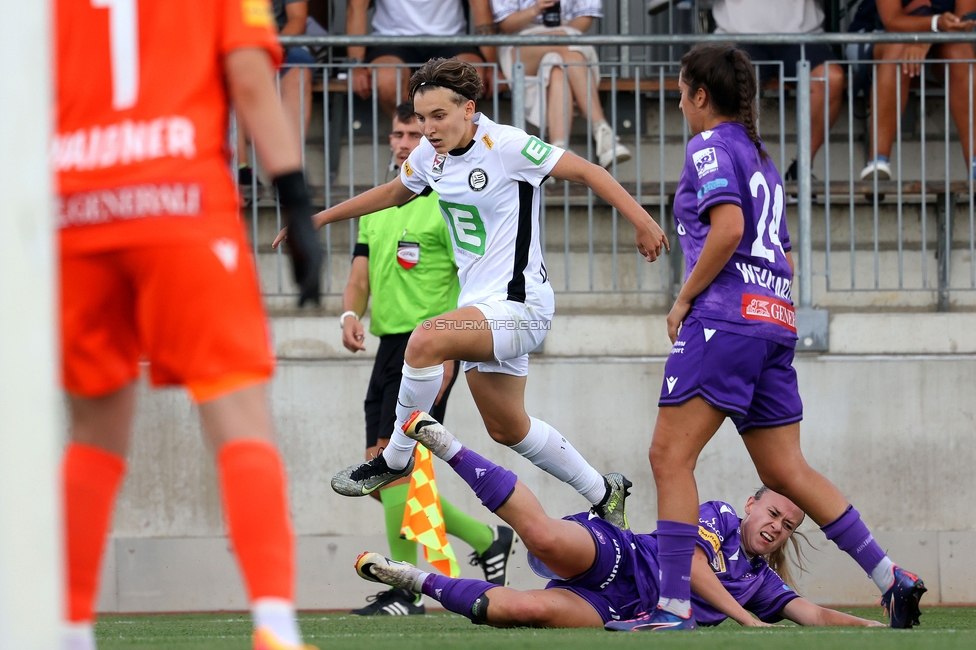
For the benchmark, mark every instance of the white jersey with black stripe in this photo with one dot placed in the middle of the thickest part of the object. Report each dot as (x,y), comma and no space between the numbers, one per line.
(490,196)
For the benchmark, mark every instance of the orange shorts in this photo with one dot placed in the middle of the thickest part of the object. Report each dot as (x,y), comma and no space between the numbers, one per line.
(193,310)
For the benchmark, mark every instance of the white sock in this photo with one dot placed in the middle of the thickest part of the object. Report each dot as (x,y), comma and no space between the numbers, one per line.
(418,390)
(278,615)
(452,450)
(676,606)
(418,584)
(548,450)
(884,574)
(78,636)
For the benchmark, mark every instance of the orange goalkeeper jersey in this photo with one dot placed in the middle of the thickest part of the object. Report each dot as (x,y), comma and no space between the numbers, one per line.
(141,151)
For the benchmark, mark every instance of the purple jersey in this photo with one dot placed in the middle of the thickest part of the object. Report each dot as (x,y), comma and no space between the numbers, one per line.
(750,581)
(624,578)
(752,294)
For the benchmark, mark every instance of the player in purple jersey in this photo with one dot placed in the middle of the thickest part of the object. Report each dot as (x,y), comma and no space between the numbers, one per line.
(601,574)
(733,328)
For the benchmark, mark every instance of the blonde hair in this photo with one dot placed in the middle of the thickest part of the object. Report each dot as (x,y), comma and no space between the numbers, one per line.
(781,559)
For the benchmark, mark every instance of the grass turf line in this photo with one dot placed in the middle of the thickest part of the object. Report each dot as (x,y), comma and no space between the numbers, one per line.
(942,629)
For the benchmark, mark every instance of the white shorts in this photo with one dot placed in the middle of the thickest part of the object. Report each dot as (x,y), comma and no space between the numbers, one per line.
(516,330)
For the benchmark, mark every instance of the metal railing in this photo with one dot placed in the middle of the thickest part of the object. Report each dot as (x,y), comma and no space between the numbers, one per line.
(907,242)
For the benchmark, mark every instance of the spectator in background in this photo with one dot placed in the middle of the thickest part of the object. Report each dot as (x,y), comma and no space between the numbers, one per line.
(575,17)
(404,259)
(413,18)
(788,17)
(291,17)
(913,16)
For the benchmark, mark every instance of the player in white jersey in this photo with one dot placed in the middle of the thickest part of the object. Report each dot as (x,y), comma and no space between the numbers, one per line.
(489,180)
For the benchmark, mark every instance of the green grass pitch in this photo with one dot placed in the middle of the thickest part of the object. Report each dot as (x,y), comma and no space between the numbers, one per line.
(942,628)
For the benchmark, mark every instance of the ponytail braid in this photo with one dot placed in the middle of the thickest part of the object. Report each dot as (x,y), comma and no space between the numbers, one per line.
(745,83)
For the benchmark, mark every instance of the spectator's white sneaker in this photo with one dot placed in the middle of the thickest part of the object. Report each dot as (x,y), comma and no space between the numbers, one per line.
(879,165)
(608,146)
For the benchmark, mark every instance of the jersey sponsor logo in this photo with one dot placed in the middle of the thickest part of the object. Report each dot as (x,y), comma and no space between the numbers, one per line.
(616,564)
(467,227)
(478,179)
(124,143)
(711,186)
(769,310)
(257,13)
(536,150)
(678,347)
(407,169)
(752,274)
(710,537)
(129,202)
(437,167)
(408,254)
(718,562)
(706,161)
(488,141)
(671,382)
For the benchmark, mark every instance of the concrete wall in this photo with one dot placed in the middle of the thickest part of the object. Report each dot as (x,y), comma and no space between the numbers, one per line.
(889,418)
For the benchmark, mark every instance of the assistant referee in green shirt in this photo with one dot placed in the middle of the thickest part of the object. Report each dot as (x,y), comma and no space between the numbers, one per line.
(404,258)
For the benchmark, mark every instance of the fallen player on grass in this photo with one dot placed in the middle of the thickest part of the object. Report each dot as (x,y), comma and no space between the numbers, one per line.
(601,576)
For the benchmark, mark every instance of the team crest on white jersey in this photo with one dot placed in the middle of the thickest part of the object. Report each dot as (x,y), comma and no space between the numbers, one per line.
(437,168)
(477,179)
(705,161)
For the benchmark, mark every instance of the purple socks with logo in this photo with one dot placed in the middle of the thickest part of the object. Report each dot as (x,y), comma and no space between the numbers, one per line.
(853,537)
(456,594)
(675,550)
(491,483)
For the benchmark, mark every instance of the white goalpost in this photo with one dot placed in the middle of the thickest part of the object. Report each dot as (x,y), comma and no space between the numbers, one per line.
(30,540)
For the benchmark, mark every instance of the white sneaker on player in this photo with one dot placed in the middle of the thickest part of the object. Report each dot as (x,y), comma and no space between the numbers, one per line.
(423,428)
(377,568)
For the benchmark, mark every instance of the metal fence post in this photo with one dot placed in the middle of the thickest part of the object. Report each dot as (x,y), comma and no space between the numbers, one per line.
(945,208)
(518,94)
(812,325)
(803,123)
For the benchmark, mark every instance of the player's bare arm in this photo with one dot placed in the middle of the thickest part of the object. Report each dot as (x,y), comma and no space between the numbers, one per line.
(379,198)
(724,235)
(650,237)
(803,612)
(251,81)
(354,299)
(706,584)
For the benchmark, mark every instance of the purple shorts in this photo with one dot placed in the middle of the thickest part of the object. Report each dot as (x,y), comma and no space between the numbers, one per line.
(749,378)
(609,586)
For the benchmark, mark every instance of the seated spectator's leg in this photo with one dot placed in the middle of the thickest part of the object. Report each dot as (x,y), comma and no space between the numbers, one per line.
(587,99)
(296,99)
(559,121)
(386,82)
(820,103)
(959,90)
(885,112)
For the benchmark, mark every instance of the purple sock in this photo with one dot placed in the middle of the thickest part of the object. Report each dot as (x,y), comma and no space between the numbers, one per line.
(491,483)
(456,594)
(675,550)
(853,537)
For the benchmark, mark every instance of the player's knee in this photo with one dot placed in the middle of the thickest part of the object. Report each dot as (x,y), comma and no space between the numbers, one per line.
(502,433)
(422,349)
(661,457)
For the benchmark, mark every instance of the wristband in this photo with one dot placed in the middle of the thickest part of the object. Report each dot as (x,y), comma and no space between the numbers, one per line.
(342,318)
(935,23)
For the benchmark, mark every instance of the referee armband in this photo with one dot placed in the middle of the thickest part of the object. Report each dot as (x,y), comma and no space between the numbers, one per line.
(360,250)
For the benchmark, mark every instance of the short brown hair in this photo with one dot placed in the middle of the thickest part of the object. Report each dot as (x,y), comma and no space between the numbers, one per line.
(453,74)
